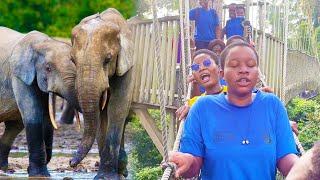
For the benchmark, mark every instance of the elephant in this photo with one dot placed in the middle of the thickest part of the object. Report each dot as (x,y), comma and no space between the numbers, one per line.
(32,65)
(102,50)
(308,166)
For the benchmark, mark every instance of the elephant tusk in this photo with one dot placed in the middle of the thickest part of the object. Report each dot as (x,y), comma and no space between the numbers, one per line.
(51,112)
(104,101)
(77,118)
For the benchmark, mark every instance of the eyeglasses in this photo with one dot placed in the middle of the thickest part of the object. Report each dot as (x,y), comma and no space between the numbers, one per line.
(205,63)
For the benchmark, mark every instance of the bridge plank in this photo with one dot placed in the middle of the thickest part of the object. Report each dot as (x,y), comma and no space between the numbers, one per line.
(152,129)
(144,64)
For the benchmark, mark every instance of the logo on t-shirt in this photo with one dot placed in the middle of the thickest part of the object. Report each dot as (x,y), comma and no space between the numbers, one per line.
(266,137)
(223,136)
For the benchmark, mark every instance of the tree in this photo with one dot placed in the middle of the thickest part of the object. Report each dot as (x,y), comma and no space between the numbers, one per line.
(56,17)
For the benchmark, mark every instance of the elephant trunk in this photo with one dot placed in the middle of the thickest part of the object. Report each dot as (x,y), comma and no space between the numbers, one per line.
(89,99)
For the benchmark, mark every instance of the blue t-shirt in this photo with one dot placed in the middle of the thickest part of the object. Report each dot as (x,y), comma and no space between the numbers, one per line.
(234,27)
(215,129)
(205,24)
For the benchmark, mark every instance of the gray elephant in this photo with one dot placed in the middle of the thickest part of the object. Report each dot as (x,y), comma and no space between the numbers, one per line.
(102,51)
(308,166)
(32,65)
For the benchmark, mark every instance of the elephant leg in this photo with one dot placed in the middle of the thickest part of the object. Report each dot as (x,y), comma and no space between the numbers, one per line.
(67,114)
(123,157)
(30,103)
(118,109)
(12,129)
(47,130)
(102,130)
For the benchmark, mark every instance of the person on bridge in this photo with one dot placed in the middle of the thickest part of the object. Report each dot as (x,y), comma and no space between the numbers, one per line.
(234,24)
(207,24)
(239,134)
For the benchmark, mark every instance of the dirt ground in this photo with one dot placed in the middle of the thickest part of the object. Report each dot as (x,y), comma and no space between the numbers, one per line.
(65,142)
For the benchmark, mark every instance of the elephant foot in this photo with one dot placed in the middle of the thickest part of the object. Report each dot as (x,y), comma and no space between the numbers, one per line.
(108,176)
(123,162)
(7,170)
(3,165)
(34,171)
(4,153)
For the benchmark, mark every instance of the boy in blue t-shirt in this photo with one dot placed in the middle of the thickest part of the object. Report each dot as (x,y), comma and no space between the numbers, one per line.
(234,24)
(238,135)
(207,24)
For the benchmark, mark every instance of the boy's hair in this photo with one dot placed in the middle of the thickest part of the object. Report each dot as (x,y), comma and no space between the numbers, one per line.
(226,51)
(240,7)
(232,38)
(216,42)
(207,52)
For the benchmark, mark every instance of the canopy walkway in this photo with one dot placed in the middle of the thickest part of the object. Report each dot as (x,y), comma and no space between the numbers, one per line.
(302,71)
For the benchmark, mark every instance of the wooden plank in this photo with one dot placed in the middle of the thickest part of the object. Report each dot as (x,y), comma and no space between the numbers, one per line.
(164,44)
(172,130)
(267,61)
(151,58)
(135,105)
(174,63)
(144,64)
(151,128)
(168,63)
(136,60)
(139,63)
(155,83)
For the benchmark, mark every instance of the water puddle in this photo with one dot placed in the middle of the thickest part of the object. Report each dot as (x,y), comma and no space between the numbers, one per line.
(54,175)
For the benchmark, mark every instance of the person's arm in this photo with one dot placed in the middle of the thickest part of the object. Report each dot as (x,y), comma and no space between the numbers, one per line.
(219,33)
(285,144)
(285,163)
(192,14)
(188,165)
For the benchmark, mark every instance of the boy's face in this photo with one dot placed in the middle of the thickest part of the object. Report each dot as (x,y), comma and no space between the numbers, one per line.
(207,76)
(203,3)
(232,11)
(240,12)
(217,49)
(240,70)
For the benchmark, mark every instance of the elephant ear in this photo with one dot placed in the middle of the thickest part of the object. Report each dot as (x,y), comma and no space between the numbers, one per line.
(125,57)
(23,56)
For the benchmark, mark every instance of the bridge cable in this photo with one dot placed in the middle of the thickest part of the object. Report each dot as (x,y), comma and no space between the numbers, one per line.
(156,27)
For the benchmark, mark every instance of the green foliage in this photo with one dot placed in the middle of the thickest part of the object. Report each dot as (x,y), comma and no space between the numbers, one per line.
(307,114)
(145,157)
(55,17)
(144,154)
(149,173)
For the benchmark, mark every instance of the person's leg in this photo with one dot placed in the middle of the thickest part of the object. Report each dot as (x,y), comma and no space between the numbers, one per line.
(201,45)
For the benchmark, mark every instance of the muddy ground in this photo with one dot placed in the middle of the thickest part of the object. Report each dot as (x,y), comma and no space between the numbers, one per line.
(66,140)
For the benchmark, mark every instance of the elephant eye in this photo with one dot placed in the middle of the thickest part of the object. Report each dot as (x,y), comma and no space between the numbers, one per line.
(73,61)
(107,60)
(48,69)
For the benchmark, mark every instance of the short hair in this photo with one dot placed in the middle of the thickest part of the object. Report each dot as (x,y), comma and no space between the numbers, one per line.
(216,42)
(232,38)
(207,52)
(225,52)
(240,7)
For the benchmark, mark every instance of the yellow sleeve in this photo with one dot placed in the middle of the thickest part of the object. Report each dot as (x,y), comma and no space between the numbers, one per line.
(194,99)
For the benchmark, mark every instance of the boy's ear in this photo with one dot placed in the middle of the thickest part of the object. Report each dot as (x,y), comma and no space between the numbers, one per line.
(221,72)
